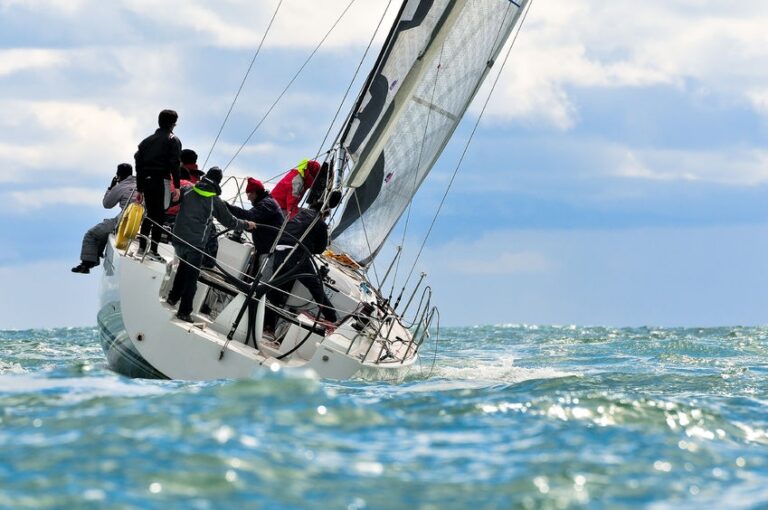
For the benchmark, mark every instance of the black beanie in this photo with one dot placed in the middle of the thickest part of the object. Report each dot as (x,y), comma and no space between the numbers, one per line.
(124,170)
(214,174)
(188,157)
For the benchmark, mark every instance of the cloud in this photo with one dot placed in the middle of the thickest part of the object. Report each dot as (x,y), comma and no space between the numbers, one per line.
(54,135)
(505,263)
(240,24)
(759,99)
(566,45)
(23,201)
(738,167)
(16,60)
(67,6)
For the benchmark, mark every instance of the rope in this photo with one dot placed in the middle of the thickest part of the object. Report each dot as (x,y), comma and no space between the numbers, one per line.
(237,95)
(367,242)
(469,141)
(295,76)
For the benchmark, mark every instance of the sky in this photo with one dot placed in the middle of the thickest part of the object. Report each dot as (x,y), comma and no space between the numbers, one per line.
(618,176)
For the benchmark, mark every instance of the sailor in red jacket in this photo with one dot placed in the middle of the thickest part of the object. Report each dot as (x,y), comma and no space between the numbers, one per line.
(291,188)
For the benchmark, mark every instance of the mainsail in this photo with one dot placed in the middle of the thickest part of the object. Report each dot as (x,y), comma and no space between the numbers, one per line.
(431,66)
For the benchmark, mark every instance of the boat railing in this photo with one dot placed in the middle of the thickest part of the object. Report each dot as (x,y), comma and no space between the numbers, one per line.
(387,320)
(243,276)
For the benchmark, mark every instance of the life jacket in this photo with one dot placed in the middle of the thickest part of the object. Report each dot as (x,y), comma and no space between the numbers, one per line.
(291,188)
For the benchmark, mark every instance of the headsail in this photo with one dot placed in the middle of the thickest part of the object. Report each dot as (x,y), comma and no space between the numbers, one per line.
(434,61)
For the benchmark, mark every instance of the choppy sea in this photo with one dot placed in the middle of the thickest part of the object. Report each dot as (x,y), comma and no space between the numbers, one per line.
(497,417)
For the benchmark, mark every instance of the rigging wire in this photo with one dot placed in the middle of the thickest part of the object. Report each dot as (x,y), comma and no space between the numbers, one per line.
(469,141)
(354,77)
(295,76)
(242,84)
(367,242)
(418,165)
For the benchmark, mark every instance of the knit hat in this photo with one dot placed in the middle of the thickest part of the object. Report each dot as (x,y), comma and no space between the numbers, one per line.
(124,170)
(254,186)
(214,174)
(188,156)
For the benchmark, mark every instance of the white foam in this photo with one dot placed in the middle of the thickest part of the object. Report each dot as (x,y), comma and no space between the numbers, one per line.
(482,373)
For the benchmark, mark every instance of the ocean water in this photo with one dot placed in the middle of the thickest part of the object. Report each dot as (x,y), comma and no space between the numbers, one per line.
(496,418)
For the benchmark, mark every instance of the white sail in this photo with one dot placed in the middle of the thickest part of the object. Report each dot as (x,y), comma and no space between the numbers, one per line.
(434,61)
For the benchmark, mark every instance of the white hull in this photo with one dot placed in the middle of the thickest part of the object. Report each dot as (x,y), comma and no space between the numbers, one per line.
(142,338)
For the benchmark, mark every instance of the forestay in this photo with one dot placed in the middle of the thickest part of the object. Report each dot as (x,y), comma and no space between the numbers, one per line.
(431,66)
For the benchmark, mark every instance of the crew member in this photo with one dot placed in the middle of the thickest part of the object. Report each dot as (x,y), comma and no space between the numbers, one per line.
(291,188)
(311,221)
(95,240)
(157,163)
(265,213)
(189,167)
(199,205)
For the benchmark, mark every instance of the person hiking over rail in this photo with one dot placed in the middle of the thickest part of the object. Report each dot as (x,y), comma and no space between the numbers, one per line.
(95,240)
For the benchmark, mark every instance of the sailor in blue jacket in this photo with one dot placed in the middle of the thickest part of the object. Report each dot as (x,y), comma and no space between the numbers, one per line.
(266,213)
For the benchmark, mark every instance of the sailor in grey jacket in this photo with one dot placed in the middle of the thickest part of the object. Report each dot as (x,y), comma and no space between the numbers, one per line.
(95,240)
(200,204)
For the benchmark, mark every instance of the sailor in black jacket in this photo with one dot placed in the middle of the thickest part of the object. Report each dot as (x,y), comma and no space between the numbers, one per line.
(312,222)
(157,161)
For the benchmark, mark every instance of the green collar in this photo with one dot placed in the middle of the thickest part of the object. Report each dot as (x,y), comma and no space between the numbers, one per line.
(203,193)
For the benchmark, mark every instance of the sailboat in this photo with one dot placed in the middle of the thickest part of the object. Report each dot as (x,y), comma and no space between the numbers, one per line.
(430,67)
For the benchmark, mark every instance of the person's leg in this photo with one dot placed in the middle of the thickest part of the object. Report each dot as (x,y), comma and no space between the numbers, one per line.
(277,296)
(178,283)
(154,214)
(193,258)
(315,287)
(157,215)
(93,245)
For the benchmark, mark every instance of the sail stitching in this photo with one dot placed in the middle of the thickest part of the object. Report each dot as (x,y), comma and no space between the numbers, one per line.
(418,164)
(469,141)
(435,108)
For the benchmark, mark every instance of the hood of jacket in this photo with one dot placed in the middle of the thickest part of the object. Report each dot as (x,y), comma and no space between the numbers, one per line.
(208,186)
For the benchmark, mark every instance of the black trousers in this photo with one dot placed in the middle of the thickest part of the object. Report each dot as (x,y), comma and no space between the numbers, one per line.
(300,265)
(154,201)
(185,282)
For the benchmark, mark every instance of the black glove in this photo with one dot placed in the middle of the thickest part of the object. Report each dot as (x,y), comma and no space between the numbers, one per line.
(114,181)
